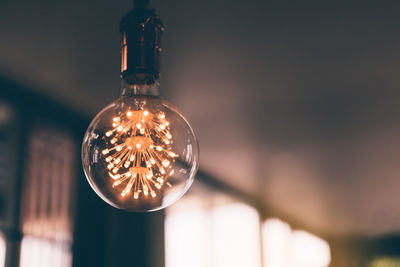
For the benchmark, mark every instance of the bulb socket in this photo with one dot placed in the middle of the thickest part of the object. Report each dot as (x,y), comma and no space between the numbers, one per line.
(141,31)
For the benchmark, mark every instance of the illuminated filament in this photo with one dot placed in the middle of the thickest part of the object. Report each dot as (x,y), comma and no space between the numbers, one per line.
(138,153)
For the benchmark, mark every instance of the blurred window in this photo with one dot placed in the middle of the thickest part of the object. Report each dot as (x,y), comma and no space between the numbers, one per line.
(384,261)
(209,228)
(39,252)
(286,248)
(2,250)
(47,199)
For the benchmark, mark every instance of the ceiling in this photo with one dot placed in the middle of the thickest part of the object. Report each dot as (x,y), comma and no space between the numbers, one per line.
(296,103)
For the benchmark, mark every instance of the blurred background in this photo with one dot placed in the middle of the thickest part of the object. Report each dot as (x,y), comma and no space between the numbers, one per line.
(295,104)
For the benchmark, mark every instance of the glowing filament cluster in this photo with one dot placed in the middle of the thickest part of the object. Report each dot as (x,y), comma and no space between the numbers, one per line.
(138,153)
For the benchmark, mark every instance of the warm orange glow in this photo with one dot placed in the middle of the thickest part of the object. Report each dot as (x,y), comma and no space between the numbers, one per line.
(139,156)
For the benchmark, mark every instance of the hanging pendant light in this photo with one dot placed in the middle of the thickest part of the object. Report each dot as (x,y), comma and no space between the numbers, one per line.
(140,153)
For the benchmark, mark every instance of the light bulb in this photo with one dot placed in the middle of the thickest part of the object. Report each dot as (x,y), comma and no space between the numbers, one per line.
(140,153)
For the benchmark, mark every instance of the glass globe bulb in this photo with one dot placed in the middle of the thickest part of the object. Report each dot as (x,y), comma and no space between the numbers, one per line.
(140,153)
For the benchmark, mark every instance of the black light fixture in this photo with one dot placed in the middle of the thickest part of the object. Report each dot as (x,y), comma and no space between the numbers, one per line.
(140,153)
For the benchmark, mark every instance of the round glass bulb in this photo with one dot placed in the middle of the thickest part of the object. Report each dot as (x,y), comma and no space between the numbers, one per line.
(140,153)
